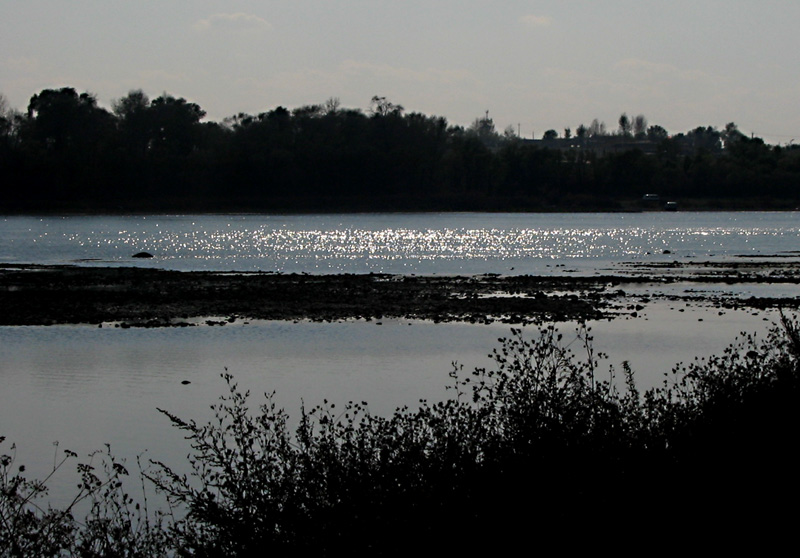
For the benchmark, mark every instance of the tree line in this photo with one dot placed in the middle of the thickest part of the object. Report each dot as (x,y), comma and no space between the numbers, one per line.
(65,152)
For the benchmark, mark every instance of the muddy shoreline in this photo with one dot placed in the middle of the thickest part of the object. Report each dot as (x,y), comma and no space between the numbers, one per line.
(146,297)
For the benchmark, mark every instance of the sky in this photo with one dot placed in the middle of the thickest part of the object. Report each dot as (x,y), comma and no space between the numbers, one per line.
(534,65)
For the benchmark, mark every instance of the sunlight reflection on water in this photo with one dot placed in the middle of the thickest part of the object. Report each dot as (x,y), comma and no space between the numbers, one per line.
(394,243)
(85,386)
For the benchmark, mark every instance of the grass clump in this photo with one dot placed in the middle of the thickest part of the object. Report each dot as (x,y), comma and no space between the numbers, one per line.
(111,523)
(536,449)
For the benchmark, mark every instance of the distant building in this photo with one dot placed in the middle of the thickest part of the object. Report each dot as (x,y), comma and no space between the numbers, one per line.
(599,145)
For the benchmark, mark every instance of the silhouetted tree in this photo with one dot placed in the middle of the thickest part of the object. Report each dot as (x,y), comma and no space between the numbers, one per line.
(624,125)
(174,126)
(66,147)
(707,139)
(484,130)
(657,133)
(134,117)
(731,134)
(6,119)
(640,126)
(10,161)
(135,102)
(64,120)
(331,106)
(596,129)
(380,106)
(4,107)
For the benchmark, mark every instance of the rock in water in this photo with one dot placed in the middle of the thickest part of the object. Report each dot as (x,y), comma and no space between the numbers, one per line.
(142,255)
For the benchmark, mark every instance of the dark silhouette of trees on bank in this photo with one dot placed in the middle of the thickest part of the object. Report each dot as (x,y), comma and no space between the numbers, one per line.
(67,153)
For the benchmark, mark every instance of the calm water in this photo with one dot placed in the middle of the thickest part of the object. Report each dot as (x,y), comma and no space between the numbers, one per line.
(449,243)
(85,386)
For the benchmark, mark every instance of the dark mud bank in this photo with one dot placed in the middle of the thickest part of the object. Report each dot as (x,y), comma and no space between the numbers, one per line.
(135,296)
(45,295)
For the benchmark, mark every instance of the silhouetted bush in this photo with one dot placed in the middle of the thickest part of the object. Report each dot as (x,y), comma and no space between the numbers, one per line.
(537,449)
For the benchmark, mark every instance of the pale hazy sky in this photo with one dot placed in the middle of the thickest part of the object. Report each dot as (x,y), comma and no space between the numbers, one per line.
(539,64)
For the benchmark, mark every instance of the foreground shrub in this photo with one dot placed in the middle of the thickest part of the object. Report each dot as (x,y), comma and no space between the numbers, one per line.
(726,430)
(536,447)
(112,524)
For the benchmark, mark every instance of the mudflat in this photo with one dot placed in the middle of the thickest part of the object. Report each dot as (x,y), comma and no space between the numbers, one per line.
(147,297)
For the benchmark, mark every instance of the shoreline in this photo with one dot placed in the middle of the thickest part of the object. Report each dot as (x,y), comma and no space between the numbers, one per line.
(626,206)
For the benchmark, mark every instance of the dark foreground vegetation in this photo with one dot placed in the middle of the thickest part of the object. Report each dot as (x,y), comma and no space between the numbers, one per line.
(544,450)
(65,153)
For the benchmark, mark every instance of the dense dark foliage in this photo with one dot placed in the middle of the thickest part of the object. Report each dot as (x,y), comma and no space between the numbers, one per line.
(543,449)
(66,153)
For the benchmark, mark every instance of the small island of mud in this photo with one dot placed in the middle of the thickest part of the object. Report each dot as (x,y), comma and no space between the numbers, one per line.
(133,296)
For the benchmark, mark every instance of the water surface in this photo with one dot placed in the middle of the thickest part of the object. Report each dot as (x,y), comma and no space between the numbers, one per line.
(83,386)
(446,243)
